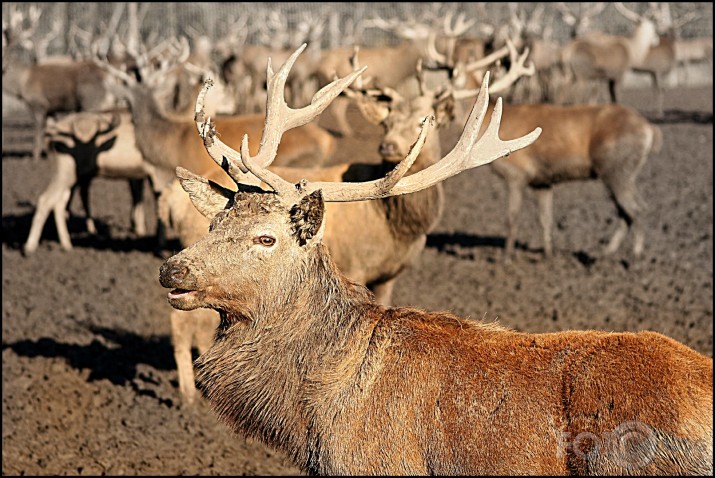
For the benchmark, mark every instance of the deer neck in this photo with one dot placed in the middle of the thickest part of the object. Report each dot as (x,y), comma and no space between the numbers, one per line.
(15,75)
(260,376)
(154,131)
(411,216)
(641,41)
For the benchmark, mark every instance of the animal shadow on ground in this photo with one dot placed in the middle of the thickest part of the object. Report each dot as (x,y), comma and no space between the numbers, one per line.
(458,243)
(115,356)
(15,229)
(680,116)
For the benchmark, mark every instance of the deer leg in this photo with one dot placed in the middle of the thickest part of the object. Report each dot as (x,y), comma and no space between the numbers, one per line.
(516,194)
(47,202)
(612,90)
(545,198)
(182,330)
(629,209)
(383,292)
(39,139)
(60,210)
(84,195)
(659,95)
(136,187)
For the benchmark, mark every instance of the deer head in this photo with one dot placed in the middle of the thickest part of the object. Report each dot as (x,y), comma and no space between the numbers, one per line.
(263,246)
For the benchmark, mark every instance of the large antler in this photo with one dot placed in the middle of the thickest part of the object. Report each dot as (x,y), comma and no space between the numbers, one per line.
(468,152)
(279,119)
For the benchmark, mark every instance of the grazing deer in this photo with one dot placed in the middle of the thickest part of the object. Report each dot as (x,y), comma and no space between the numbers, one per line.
(49,88)
(84,146)
(305,360)
(600,57)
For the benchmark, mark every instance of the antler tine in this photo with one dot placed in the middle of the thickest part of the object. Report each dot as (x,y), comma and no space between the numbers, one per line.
(467,153)
(487,60)
(460,25)
(516,71)
(626,12)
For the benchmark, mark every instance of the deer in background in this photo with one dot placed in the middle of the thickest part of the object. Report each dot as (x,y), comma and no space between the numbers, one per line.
(49,88)
(306,361)
(600,57)
(661,58)
(608,142)
(167,141)
(84,146)
(389,66)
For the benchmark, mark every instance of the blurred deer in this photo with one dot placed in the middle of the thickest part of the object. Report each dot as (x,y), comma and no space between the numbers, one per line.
(84,146)
(49,88)
(305,359)
(600,57)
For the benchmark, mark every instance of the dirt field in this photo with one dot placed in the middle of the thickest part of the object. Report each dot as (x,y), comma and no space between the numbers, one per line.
(89,382)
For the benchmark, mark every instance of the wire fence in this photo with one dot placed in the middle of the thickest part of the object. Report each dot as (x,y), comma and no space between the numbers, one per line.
(214,19)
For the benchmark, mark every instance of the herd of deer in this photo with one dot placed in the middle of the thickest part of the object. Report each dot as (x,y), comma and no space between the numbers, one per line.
(288,264)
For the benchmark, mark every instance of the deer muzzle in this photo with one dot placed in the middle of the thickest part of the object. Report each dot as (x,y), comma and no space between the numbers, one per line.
(176,276)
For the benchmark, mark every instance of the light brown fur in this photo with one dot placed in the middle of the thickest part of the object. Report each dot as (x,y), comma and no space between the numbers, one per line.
(608,142)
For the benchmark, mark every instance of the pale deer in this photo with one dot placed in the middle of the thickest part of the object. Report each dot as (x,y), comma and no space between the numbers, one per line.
(600,57)
(305,360)
(661,58)
(84,146)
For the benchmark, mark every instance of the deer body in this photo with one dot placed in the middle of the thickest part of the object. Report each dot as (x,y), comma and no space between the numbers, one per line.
(52,88)
(608,142)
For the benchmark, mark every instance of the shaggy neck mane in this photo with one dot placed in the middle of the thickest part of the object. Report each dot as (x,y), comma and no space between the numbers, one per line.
(259,374)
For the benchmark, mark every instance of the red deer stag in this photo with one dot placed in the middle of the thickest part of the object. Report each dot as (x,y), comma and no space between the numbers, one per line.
(305,360)
(371,242)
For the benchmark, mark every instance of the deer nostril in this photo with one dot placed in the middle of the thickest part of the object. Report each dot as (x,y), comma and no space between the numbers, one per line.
(178,273)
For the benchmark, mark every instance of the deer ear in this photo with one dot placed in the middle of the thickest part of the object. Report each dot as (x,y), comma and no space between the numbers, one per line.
(307,217)
(207,196)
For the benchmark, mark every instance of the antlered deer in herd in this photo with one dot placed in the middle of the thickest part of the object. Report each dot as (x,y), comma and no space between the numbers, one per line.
(372,242)
(305,360)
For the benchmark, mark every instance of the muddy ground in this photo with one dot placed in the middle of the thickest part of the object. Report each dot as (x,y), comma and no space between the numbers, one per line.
(89,382)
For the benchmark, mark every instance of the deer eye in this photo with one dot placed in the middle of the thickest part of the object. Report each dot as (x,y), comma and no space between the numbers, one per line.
(266,241)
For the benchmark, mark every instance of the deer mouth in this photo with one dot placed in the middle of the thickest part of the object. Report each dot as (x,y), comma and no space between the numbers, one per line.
(184,299)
